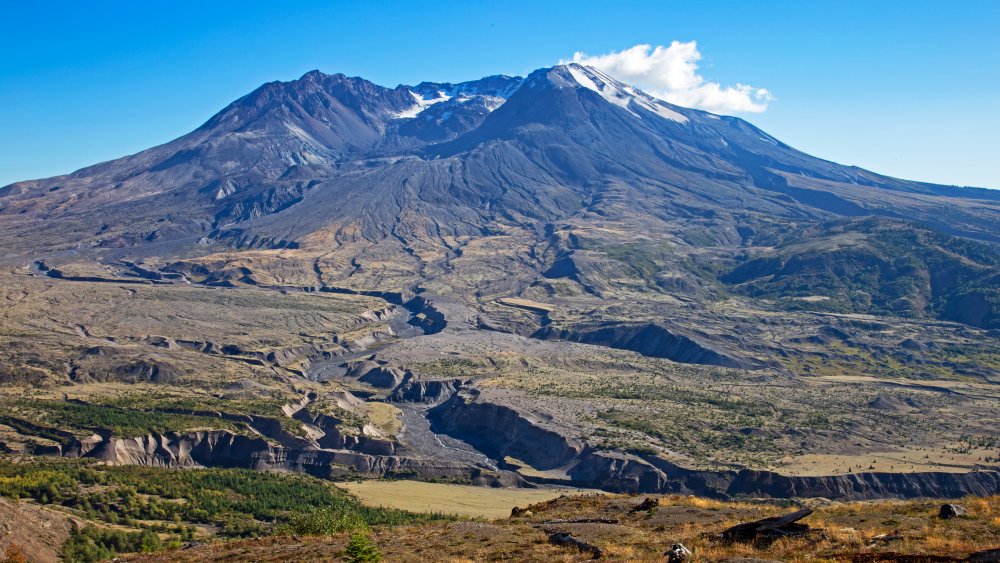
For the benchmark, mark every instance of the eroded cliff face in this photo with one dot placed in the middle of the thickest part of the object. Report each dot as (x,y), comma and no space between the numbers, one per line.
(221,448)
(651,474)
(215,448)
(501,431)
(858,486)
(414,390)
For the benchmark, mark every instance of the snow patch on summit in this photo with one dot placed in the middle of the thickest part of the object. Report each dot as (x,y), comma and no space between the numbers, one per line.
(622,95)
(421,104)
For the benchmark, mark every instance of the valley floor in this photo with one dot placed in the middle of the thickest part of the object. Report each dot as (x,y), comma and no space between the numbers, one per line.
(461,500)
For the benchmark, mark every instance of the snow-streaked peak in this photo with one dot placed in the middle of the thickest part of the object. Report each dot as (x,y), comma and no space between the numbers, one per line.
(499,86)
(620,94)
(422,103)
(493,91)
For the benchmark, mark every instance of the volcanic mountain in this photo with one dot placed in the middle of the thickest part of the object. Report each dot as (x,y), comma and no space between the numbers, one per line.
(327,162)
(596,256)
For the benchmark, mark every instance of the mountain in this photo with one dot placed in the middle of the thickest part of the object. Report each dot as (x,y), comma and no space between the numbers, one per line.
(332,160)
(557,143)
(555,278)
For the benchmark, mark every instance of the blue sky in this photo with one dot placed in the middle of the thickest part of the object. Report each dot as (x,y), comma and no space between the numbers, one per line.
(908,88)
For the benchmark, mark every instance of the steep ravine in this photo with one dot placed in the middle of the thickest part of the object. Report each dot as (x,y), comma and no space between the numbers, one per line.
(500,431)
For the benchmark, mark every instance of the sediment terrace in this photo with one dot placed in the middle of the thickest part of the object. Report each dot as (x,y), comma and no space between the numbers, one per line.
(499,432)
(460,427)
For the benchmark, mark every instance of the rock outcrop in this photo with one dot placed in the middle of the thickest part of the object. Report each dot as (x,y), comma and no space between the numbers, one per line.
(650,339)
(334,438)
(222,448)
(416,390)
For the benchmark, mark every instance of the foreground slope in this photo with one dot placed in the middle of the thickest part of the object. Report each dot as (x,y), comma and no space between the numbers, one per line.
(626,529)
(87,511)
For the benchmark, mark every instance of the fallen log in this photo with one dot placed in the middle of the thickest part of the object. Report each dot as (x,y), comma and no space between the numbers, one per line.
(582,521)
(566,539)
(767,530)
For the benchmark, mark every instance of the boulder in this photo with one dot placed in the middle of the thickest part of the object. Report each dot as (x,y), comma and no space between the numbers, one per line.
(648,504)
(679,554)
(949,511)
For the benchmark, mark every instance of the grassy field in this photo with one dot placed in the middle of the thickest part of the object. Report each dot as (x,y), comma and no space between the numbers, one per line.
(460,500)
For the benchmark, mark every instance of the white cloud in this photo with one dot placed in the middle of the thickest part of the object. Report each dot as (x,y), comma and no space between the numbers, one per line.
(671,74)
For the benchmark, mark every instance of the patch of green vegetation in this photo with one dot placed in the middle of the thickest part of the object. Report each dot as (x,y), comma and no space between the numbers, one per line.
(361,549)
(696,438)
(641,260)
(879,266)
(27,428)
(983,354)
(95,544)
(204,406)
(951,362)
(653,389)
(119,421)
(350,422)
(322,521)
(236,502)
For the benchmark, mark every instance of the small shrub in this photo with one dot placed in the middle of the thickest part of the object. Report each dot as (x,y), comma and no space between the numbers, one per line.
(361,548)
(322,522)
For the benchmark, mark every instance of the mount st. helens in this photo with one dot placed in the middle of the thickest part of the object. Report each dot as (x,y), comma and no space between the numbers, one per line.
(333,276)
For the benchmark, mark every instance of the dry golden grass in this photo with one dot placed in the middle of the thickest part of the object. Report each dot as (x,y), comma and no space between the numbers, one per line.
(841,531)
(383,416)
